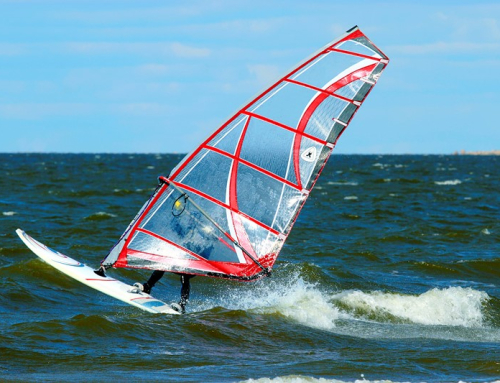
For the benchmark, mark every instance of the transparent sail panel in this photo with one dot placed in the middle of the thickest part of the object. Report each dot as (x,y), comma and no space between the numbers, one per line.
(363,40)
(309,155)
(286,104)
(350,90)
(321,117)
(362,92)
(309,169)
(357,47)
(149,244)
(376,73)
(269,147)
(210,175)
(180,222)
(267,200)
(347,113)
(265,242)
(319,73)
(335,132)
(227,139)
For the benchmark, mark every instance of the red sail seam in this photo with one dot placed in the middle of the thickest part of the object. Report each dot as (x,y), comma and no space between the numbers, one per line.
(191,264)
(253,166)
(140,298)
(239,230)
(182,248)
(233,198)
(348,122)
(354,35)
(320,90)
(313,138)
(354,54)
(122,257)
(199,257)
(315,103)
(222,204)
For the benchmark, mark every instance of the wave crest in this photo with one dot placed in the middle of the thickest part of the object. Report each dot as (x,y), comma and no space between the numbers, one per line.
(453,306)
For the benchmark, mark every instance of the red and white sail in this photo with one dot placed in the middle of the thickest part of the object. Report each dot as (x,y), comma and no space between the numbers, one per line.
(228,207)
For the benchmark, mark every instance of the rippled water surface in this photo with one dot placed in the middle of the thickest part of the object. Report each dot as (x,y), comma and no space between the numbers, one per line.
(390,273)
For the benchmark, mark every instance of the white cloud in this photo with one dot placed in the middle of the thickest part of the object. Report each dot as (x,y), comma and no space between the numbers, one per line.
(442,47)
(148,14)
(471,23)
(142,48)
(38,111)
(153,69)
(10,49)
(265,74)
(140,109)
(186,51)
(41,111)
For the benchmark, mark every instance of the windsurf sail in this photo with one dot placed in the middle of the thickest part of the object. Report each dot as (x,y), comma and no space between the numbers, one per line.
(227,208)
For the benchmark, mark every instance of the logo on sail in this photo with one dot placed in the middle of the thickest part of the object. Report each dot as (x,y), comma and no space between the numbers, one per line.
(309,154)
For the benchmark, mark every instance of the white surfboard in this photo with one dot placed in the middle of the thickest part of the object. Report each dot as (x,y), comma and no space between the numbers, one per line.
(86,275)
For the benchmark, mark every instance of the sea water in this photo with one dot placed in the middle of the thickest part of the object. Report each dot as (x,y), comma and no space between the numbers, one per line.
(391,273)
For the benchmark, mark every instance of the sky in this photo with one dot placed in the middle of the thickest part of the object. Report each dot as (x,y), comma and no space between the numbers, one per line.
(160,76)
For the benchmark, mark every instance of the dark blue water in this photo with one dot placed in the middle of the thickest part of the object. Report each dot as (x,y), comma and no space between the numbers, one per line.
(390,273)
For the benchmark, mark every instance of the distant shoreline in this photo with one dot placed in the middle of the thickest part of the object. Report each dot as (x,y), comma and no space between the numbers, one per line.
(479,153)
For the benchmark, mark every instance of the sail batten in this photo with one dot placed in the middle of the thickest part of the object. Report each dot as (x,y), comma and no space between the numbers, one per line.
(227,208)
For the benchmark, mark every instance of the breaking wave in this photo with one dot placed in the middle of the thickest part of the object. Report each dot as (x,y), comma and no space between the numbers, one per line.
(295,299)
(310,305)
(453,306)
(99,216)
(449,182)
(310,379)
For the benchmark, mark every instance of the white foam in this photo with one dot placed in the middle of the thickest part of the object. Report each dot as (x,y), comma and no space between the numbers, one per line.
(454,306)
(294,298)
(310,379)
(102,214)
(346,183)
(362,314)
(9,213)
(449,182)
(105,214)
(351,198)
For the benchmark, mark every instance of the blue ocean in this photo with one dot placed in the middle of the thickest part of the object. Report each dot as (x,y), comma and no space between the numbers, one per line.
(391,273)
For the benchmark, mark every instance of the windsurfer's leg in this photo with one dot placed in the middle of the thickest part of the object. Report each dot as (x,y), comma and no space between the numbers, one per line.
(185,289)
(155,277)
